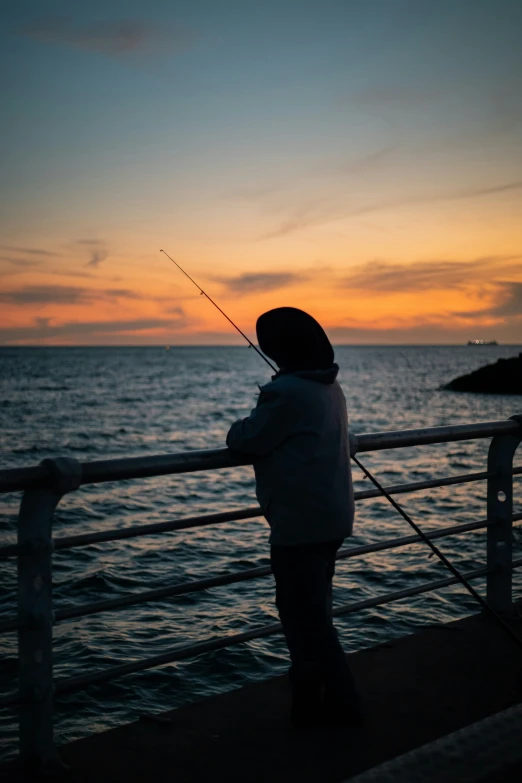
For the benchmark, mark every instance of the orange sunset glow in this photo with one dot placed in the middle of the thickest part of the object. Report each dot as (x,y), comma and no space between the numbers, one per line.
(329,176)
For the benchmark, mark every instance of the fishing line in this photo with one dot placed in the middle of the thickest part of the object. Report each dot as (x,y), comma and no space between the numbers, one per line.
(439,554)
(444,560)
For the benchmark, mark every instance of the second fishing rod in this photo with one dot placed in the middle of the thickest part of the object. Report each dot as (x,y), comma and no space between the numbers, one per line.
(444,560)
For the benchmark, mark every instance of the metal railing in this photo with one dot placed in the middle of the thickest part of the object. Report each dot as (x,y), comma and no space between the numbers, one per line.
(44,486)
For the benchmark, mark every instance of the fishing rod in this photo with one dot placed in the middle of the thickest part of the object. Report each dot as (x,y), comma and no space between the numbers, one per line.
(204,293)
(444,560)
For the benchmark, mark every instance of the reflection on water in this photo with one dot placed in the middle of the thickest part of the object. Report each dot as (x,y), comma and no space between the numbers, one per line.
(101,403)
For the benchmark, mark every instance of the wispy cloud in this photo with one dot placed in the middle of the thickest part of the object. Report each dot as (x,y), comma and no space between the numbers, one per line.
(30,251)
(507,303)
(387,277)
(369,161)
(98,255)
(42,329)
(117,38)
(122,293)
(17,256)
(321,212)
(62,294)
(430,331)
(486,191)
(326,168)
(430,198)
(21,262)
(256,282)
(313,213)
(480,279)
(97,249)
(46,294)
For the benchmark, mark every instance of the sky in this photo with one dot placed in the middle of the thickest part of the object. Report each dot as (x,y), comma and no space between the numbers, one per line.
(359,159)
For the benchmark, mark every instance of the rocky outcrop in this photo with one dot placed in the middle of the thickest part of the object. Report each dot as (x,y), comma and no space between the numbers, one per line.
(503,377)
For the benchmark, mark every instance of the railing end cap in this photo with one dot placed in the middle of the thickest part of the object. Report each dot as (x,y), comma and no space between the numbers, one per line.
(65,473)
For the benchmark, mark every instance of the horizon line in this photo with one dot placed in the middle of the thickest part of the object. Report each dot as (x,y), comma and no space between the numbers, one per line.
(225,345)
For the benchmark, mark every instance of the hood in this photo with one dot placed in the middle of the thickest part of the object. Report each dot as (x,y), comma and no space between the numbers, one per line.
(327,375)
(294,340)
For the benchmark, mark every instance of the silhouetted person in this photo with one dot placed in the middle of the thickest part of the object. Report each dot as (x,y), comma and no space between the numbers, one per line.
(298,436)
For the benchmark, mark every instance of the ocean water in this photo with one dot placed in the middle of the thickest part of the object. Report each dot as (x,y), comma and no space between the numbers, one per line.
(97,403)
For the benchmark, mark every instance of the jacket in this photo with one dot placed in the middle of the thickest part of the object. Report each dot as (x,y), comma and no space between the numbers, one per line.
(298,436)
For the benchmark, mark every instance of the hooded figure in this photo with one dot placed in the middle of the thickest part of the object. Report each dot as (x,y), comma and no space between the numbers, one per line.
(294,340)
(298,436)
(298,433)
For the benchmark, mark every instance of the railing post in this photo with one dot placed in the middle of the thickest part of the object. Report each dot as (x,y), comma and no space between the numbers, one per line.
(35,612)
(500,524)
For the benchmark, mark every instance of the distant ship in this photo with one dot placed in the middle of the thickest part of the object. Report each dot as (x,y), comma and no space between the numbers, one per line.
(482,342)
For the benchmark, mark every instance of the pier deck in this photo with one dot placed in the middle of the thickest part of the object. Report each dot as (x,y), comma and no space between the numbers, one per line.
(415,689)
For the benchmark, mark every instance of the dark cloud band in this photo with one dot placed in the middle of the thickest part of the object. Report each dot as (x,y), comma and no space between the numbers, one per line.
(63,294)
(257,282)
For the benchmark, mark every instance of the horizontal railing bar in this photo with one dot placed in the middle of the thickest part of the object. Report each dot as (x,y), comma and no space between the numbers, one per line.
(85,539)
(15,479)
(18,479)
(395,543)
(376,441)
(463,478)
(189,650)
(67,542)
(194,586)
(76,612)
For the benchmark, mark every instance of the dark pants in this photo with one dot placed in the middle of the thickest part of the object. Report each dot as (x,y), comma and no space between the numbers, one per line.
(303,576)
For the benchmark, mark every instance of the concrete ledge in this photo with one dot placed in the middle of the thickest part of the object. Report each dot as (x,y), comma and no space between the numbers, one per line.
(415,690)
(486,750)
